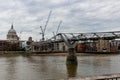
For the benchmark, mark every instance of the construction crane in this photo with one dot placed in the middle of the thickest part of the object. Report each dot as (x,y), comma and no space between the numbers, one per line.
(58,27)
(43,30)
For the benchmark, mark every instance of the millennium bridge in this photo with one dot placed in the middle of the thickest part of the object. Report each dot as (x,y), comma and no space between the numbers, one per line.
(71,39)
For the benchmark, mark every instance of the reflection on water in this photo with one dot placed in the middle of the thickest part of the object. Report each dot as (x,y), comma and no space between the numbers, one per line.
(71,70)
(54,67)
(10,69)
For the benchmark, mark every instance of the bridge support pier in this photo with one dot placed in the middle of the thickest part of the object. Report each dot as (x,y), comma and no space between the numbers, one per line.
(71,58)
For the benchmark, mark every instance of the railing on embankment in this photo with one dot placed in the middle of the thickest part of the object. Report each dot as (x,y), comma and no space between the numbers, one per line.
(103,77)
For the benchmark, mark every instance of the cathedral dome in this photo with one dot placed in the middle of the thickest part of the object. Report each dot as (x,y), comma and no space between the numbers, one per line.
(12,34)
(12,30)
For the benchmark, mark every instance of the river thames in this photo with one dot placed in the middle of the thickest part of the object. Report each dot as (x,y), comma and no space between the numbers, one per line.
(54,67)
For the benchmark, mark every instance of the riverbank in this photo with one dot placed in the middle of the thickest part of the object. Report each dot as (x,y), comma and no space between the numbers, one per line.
(16,53)
(11,53)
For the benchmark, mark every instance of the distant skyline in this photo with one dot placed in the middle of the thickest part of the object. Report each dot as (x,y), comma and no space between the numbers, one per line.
(77,16)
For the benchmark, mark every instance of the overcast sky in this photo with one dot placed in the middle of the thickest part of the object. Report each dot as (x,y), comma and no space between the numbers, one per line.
(77,15)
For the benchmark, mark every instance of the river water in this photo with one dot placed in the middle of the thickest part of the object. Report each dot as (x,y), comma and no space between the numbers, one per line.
(54,67)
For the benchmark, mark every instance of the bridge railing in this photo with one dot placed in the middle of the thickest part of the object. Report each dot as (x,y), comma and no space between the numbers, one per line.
(104,77)
(86,36)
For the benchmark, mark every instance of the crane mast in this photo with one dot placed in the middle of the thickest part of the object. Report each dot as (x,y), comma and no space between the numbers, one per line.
(58,27)
(47,21)
(43,30)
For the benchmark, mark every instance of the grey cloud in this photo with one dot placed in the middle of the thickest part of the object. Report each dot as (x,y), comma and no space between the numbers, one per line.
(77,16)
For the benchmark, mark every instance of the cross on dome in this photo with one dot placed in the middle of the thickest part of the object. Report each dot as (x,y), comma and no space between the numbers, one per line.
(12,26)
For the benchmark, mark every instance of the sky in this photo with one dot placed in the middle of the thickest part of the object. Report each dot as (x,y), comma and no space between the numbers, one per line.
(77,16)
